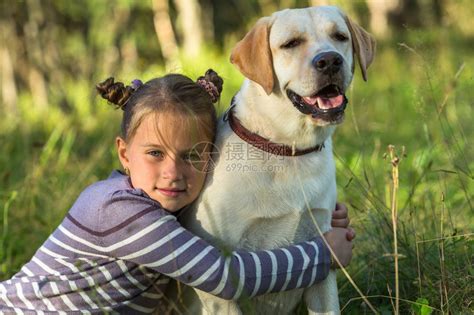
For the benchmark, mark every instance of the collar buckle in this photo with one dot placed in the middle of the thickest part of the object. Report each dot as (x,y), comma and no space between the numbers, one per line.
(225,117)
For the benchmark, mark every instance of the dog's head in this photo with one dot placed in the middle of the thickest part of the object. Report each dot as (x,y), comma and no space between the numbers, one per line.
(308,56)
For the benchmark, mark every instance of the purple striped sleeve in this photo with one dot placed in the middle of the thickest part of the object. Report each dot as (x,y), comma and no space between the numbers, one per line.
(156,240)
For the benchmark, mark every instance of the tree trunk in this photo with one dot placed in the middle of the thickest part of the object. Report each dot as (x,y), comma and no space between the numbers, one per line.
(208,20)
(379,14)
(407,14)
(9,91)
(318,2)
(189,15)
(36,78)
(165,34)
(287,4)
(438,9)
(267,6)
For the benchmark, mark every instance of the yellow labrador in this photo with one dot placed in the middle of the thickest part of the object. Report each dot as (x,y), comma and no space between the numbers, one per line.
(275,145)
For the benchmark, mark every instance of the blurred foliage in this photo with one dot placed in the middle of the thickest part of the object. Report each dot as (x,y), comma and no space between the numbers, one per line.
(57,135)
(67,40)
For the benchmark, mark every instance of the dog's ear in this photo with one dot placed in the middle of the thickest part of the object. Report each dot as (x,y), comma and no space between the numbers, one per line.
(363,44)
(253,57)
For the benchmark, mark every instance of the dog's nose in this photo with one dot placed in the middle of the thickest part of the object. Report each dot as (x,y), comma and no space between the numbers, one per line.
(328,62)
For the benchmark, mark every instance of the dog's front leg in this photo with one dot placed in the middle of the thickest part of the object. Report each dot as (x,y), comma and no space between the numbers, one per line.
(212,305)
(323,298)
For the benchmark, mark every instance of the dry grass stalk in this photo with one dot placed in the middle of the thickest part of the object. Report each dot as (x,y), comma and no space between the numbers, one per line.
(395,160)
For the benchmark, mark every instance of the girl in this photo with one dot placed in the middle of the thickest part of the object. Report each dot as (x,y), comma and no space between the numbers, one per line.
(120,241)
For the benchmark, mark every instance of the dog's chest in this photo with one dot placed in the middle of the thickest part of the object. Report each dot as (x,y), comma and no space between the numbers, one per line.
(260,201)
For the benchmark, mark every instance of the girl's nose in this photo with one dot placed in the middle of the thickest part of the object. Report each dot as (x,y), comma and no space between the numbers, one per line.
(172,168)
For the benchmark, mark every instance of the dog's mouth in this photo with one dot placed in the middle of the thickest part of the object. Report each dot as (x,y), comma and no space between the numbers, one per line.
(327,104)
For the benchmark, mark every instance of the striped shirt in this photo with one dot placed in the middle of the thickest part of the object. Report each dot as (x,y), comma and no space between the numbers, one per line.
(116,249)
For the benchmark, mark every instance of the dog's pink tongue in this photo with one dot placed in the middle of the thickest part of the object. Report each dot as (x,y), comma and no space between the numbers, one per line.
(310,100)
(323,102)
(332,102)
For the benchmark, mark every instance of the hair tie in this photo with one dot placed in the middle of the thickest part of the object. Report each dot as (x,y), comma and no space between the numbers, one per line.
(136,84)
(210,88)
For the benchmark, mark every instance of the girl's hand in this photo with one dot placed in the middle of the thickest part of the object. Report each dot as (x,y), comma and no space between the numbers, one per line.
(342,248)
(340,219)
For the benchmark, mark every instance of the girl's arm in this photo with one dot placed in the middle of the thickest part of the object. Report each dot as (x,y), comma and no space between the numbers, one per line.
(157,241)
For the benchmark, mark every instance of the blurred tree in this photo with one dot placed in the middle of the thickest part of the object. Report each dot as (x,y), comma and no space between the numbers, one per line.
(319,2)
(394,16)
(408,13)
(379,13)
(438,8)
(267,6)
(47,46)
(189,17)
(165,33)
(34,52)
(347,6)
(208,20)
(458,14)
(9,89)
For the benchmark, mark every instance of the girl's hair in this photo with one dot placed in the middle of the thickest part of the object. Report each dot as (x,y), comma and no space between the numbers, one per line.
(189,102)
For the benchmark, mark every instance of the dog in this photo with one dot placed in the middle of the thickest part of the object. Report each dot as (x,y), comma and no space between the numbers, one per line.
(273,181)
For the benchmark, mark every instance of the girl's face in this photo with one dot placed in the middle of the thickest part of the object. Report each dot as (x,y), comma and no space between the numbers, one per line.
(172,171)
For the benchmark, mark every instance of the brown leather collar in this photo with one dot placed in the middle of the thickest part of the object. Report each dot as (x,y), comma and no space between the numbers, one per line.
(263,143)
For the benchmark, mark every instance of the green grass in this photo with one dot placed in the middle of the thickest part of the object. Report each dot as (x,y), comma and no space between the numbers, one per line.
(49,157)
(400,104)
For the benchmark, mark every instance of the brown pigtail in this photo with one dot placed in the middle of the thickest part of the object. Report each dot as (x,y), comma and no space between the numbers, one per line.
(115,92)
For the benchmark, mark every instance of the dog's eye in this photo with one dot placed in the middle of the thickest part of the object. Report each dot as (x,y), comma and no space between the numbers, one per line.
(341,37)
(292,43)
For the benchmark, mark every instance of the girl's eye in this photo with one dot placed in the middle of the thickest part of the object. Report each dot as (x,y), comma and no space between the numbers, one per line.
(157,154)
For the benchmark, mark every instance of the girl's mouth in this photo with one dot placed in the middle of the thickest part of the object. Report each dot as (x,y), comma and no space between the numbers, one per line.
(171,192)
